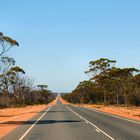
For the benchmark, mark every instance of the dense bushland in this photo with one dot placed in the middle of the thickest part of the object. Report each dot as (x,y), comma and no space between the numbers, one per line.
(108,85)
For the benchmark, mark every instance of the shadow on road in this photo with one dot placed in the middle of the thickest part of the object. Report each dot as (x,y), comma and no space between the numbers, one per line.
(40,122)
(57,111)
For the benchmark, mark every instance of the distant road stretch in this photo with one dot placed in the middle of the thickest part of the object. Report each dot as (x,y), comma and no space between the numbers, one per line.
(66,122)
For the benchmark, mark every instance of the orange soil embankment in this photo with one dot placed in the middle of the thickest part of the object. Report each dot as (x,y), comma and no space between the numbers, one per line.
(63,101)
(127,112)
(11,118)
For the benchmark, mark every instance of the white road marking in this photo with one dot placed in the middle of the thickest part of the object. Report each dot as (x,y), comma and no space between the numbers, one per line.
(97,130)
(91,124)
(23,136)
(113,115)
(86,122)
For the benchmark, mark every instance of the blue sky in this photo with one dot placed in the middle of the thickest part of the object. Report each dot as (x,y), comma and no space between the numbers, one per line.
(58,38)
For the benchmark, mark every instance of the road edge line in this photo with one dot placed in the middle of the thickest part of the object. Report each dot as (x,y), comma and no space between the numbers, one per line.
(91,123)
(112,115)
(30,128)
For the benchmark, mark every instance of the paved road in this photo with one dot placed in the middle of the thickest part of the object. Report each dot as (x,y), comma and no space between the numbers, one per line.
(66,122)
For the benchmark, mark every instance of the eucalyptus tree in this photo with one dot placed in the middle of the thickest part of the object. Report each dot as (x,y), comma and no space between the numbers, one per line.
(5,64)
(43,93)
(108,84)
(98,70)
(15,75)
(127,75)
(122,81)
(42,87)
(100,67)
(86,92)
(6,43)
(136,80)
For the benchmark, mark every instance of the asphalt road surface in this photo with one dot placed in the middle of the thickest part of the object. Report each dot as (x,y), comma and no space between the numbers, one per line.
(66,122)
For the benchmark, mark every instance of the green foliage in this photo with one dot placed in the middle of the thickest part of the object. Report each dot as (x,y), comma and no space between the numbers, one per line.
(99,67)
(108,85)
(16,89)
(42,87)
(6,43)
(17,70)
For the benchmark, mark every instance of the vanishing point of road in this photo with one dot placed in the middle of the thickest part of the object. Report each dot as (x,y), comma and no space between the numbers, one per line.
(67,122)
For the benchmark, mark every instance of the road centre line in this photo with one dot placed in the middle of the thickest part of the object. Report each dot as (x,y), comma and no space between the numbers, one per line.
(29,129)
(91,124)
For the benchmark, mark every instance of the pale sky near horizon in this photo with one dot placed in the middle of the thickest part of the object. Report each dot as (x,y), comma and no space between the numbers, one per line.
(58,38)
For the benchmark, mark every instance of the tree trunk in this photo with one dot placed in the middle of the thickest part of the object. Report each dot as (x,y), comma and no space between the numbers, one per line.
(126,100)
(117,99)
(105,98)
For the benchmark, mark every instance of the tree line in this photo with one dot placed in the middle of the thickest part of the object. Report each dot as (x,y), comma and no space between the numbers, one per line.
(16,88)
(108,85)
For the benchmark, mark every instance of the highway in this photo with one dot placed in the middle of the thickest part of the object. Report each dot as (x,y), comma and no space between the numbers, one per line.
(67,122)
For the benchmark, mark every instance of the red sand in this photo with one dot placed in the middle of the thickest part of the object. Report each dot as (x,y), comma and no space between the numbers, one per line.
(127,112)
(25,113)
(21,114)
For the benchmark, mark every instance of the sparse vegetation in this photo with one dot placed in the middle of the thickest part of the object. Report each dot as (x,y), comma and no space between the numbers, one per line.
(16,88)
